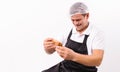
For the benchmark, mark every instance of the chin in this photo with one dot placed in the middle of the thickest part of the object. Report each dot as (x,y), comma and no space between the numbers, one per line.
(78,29)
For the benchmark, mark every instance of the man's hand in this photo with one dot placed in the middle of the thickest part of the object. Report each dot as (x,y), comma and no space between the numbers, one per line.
(65,52)
(50,45)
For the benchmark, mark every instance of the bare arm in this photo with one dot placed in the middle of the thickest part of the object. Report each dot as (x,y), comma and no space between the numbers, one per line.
(89,60)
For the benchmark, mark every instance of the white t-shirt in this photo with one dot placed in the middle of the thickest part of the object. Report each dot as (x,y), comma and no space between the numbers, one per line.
(94,41)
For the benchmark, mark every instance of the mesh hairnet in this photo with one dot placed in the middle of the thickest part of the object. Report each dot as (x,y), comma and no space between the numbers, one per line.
(78,8)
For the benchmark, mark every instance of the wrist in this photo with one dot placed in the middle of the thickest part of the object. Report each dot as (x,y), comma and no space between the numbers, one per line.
(77,57)
(74,56)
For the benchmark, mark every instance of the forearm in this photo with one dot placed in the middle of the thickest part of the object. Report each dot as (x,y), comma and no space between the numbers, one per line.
(88,60)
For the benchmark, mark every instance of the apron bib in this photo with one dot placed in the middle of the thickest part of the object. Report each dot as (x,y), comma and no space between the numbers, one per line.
(70,66)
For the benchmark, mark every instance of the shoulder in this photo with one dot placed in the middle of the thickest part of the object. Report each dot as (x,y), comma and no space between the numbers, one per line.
(96,31)
(97,38)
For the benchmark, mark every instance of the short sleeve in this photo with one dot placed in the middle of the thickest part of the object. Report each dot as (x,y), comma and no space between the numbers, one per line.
(99,41)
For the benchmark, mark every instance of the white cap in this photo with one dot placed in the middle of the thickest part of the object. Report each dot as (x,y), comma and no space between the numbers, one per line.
(78,8)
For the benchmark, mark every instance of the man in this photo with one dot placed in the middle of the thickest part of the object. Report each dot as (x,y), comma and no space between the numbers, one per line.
(83,48)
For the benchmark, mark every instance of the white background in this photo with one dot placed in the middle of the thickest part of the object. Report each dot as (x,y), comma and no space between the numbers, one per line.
(24,24)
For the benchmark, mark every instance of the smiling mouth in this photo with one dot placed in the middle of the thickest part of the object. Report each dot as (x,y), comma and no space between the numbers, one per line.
(78,25)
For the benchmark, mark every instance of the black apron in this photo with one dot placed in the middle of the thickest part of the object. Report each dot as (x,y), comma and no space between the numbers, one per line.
(70,66)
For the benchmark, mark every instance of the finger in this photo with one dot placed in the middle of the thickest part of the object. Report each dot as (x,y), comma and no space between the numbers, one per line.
(59,51)
(62,48)
(48,43)
(47,46)
(49,39)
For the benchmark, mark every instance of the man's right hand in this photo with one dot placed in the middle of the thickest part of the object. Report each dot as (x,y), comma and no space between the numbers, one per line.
(50,45)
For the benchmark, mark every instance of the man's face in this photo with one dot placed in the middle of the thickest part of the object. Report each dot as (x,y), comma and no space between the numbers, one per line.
(80,21)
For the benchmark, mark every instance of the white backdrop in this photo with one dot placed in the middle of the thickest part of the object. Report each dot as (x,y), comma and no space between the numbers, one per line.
(24,24)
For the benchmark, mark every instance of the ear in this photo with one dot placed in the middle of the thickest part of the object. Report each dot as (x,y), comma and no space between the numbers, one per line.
(87,15)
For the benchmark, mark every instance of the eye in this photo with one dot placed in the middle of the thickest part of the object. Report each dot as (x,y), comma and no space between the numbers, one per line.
(78,20)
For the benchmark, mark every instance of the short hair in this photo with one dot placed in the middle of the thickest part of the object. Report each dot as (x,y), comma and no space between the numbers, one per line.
(78,8)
